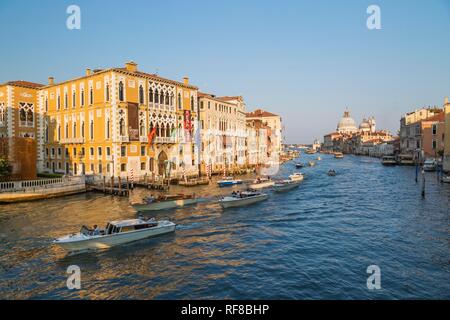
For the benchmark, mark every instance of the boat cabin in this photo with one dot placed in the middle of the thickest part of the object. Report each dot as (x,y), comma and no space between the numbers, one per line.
(129,225)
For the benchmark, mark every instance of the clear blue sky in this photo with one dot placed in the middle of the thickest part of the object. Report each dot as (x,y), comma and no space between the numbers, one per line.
(305,60)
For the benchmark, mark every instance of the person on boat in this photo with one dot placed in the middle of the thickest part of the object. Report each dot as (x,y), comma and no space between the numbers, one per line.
(96,231)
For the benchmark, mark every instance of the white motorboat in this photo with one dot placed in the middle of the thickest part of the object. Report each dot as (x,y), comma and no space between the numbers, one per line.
(388,161)
(286,185)
(261,183)
(311,163)
(296,176)
(115,233)
(165,202)
(445,179)
(430,165)
(338,155)
(243,198)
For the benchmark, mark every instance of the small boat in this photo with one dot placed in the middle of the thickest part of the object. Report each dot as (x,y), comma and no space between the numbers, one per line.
(261,183)
(319,158)
(194,182)
(338,155)
(242,198)
(115,233)
(286,185)
(165,202)
(299,165)
(445,179)
(228,181)
(388,161)
(311,163)
(430,165)
(331,173)
(296,176)
(310,151)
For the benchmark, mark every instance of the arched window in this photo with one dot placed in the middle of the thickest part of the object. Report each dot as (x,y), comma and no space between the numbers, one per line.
(142,128)
(150,95)
(168,130)
(66,101)
(59,132)
(156,96)
(107,92)
(67,131)
(171,99)
(91,129)
(167,99)
(74,133)
(23,115)
(46,133)
(82,129)
(121,91)
(74,99)
(158,133)
(192,103)
(122,127)
(179,101)
(82,97)
(161,100)
(163,131)
(141,95)
(108,123)
(91,96)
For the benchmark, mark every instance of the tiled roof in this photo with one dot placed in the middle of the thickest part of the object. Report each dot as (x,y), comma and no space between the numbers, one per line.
(260,113)
(437,117)
(22,83)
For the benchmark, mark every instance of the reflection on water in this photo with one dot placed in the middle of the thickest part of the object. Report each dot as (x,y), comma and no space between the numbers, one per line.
(313,242)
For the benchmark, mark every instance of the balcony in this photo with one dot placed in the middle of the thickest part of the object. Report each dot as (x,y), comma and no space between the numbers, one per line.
(165,140)
(72,140)
(124,139)
(143,139)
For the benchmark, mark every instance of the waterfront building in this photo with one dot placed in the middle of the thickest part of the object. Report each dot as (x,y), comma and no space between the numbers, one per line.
(119,120)
(433,129)
(223,132)
(330,141)
(411,131)
(446,160)
(272,123)
(258,143)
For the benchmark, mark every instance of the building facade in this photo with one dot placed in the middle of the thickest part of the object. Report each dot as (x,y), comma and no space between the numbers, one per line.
(223,135)
(116,121)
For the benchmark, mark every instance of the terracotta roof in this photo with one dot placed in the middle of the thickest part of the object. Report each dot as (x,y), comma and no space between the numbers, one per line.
(437,117)
(260,113)
(152,75)
(22,83)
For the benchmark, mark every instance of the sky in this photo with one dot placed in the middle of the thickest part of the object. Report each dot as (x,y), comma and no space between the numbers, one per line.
(304,60)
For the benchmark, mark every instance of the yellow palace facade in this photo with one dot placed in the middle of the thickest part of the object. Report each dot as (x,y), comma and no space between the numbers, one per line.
(117,121)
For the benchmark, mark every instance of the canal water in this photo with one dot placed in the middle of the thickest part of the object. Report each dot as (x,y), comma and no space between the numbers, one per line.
(314,242)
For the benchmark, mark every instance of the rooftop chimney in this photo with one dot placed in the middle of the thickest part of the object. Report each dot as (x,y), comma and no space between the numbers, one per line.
(51,81)
(186,81)
(88,72)
(131,66)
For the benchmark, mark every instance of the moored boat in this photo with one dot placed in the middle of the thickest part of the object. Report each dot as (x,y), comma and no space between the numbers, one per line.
(446,179)
(261,183)
(286,185)
(228,181)
(242,198)
(406,160)
(388,161)
(115,233)
(430,165)
(165,202)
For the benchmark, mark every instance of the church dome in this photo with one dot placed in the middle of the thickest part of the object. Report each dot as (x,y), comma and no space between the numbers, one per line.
(364,125)
(347,124)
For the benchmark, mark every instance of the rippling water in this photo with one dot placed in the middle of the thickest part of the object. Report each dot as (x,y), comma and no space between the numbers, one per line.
(314,242)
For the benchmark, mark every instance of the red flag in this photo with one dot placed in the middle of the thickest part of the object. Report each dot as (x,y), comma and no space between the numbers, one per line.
(151,135)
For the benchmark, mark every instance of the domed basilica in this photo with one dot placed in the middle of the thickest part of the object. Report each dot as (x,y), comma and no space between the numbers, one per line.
(347,124)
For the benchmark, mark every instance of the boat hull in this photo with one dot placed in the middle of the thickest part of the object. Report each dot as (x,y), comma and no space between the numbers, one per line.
(228,183)
(164,205)
(262,185)
(105,242)
(243,201)
(286,187)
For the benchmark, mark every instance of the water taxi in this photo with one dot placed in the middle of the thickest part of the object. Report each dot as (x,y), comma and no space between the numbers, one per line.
(299,165)
(296,176)
(165,202)
(228,181)
(285,185)
(311,163)
(115,233)
(388,161)
(338,155)
(331,173)
(242,198)
(261,183)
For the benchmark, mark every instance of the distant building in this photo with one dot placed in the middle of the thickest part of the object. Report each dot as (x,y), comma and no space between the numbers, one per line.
(446,160)
(346,125)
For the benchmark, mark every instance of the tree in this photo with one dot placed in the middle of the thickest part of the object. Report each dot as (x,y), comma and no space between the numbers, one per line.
(5,167)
